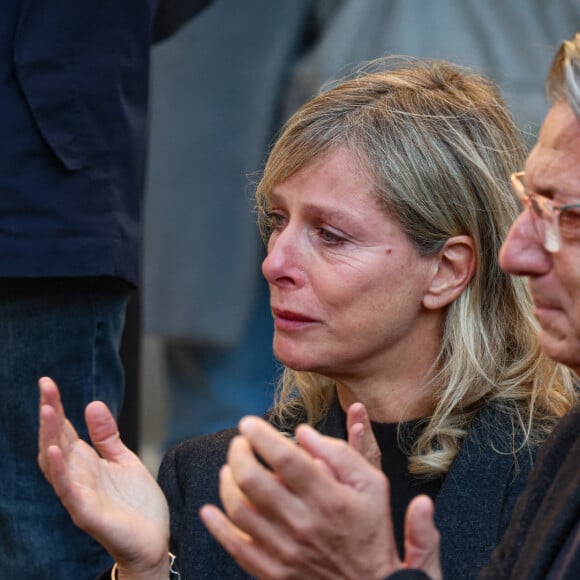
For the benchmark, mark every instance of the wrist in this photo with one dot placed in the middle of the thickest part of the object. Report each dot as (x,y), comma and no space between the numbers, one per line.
(165,570)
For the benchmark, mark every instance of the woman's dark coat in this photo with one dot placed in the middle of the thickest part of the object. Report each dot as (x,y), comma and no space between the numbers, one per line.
(473,507)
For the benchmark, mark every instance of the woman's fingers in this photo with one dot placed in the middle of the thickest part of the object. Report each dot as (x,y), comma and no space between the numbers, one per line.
(360,434)
(54,429)
(289,462)
(422,537)
(104,433)
(250,555)
(295,518)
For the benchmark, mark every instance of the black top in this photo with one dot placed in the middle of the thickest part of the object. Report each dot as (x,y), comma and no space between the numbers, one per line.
(404,486)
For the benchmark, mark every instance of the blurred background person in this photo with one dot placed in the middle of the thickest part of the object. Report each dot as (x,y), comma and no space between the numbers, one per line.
(510,41)
(216,93)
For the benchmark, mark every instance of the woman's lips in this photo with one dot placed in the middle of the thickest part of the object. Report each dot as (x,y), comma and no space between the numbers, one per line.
(290,320)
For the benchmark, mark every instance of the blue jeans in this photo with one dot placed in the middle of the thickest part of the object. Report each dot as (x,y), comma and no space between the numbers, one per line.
(70,330)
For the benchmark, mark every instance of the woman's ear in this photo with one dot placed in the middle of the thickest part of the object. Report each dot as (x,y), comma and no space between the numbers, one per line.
(454,269)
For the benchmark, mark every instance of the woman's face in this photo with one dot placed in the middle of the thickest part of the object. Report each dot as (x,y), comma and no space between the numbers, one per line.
(346,284)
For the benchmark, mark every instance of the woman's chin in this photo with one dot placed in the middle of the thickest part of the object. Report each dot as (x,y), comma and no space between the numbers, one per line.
(293,359)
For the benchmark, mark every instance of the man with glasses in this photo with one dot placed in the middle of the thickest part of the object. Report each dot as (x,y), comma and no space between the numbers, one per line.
(543,539)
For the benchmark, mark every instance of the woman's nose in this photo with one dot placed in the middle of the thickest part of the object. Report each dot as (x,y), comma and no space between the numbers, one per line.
(283,264)
(523,252)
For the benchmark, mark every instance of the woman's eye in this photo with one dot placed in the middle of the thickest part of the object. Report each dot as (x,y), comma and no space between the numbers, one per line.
(330,237)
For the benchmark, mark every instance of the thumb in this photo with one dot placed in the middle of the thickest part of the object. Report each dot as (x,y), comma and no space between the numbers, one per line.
(422,538)
(360,434)
(104,432)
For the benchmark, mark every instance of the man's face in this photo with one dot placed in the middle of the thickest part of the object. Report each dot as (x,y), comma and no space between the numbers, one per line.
(552,170)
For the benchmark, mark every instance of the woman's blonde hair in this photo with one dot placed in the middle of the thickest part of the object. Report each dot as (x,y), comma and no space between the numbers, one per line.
(439,145)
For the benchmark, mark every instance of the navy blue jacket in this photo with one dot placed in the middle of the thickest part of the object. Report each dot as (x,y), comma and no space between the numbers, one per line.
(73,115)
(472,509)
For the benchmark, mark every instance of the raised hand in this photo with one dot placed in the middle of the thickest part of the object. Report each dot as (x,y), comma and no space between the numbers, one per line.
(302,520)
(321,511)
(110,494)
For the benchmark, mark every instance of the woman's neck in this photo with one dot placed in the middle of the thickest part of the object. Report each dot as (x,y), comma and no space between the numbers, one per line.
(396,386)
(389,400)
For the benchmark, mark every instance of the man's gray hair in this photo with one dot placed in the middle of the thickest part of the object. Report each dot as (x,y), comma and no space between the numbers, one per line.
(563,80)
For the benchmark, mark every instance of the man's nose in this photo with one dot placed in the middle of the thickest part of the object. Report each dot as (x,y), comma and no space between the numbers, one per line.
(523,252)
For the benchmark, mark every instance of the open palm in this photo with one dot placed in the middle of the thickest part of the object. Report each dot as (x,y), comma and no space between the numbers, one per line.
(107,490)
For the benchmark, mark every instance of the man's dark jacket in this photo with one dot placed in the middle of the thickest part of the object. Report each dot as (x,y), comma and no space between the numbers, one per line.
(543,540)
(73,115)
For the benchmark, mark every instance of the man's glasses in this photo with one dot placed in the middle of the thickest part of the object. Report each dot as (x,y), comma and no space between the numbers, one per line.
(552,221)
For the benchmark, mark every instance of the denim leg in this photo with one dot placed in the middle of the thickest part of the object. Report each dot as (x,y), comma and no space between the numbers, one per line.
(70,330)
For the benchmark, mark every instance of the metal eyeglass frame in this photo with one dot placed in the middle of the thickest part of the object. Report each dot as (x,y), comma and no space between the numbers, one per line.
(546,214)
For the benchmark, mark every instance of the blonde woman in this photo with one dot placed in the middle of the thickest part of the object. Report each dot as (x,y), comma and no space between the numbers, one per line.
(384,203)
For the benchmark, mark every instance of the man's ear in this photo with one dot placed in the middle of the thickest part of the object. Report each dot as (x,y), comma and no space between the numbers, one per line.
(454,269)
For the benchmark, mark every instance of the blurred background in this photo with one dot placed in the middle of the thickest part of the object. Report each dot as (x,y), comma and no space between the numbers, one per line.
(198,339)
